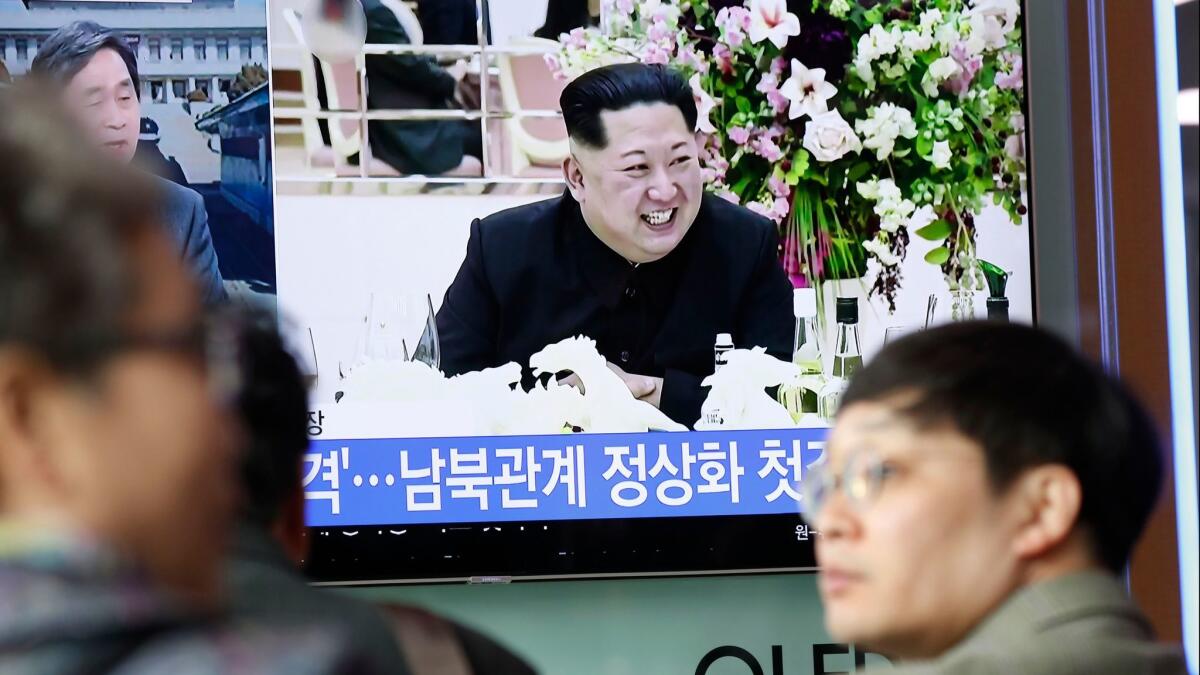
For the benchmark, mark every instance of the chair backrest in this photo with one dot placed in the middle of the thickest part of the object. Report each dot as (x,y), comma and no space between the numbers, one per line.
(341,90)
(408,20)
(527,83)
(308,86)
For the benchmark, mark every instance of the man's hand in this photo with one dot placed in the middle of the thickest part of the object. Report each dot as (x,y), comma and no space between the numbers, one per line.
(643,387)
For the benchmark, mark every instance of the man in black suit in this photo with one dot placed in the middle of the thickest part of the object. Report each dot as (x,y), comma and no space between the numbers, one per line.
(633,255)
(98,75)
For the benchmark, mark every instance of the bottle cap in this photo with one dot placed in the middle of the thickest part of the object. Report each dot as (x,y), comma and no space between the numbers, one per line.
(724,340)
(847,310)
(804,303)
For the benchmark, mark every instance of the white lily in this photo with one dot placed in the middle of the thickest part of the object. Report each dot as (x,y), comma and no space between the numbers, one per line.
(808,91)
(770,20)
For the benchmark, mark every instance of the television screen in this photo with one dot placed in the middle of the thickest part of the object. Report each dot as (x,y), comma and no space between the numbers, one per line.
(502,388)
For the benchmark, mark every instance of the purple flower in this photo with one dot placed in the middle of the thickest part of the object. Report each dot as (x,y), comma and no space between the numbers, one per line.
(778,101)
(739,135)
(1013,78)
(765,147)
(660,32)
(778,187)
(728,196)
(625,7)
(655,54)
(959,84)
(577,38)
(724,58)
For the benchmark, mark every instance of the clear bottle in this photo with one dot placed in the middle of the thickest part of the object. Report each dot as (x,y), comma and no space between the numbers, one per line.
(802,398)
(847,357)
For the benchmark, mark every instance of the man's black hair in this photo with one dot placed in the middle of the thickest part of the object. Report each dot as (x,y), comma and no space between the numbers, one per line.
(68,220)
(69,49)
(618,87)
(1029,399)
(273,407)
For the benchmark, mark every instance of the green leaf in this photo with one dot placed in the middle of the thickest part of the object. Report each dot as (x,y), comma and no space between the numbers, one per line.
(924,146)
(743,105)
(938,256)
(857,171)
(935,231)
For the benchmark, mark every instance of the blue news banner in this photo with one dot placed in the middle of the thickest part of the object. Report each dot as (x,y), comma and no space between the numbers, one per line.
(561,477)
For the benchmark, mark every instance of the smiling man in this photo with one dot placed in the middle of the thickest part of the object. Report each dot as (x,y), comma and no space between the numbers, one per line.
(97,74)
(634,255)
(983,490)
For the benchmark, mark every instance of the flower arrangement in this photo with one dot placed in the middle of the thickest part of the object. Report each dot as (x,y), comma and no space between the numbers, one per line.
(850,123)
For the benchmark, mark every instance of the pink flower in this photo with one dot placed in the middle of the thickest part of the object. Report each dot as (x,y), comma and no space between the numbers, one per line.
(728,196)
(780,209)
(778,101)
(1011,79)
(660,32)
(655,54)
(690,59)
(733,22)
(576,39)
(724,58)
(760,208)
(739,135)
(959,84)
(778,187)
(766,148)
(555,67)
(625,7)
(778,65)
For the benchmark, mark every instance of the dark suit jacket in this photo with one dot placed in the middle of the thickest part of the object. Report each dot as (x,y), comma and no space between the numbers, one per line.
(535,274)
(264,586)
(1080,624)
(187,221)
(409,81)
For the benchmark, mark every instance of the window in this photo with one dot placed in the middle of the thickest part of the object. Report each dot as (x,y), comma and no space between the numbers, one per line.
(244,46)
(158,91)
(179,88)
(154,47)
(223,49)
(22,49)
(176,49)
(201,47)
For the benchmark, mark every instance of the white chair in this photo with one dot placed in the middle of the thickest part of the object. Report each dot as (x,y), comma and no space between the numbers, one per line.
(536,145)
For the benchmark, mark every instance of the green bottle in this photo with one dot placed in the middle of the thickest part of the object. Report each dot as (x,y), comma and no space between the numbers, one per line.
(847,357)
(802,398)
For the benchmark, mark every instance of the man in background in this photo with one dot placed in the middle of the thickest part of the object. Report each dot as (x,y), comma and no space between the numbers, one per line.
(97,74)
(271,540)
(117,455)
(982,493)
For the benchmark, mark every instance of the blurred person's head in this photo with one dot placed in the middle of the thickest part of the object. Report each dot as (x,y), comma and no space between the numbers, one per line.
(273,406)
(97,73)
(973,459)
(634,163)
(108,425)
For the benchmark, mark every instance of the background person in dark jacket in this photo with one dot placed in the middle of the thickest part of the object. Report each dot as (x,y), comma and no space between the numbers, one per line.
(416,81)
(98,75)
(635,255)
(263,580)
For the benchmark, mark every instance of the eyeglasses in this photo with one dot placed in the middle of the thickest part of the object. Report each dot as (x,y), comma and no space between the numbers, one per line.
(860,480)
(213,341)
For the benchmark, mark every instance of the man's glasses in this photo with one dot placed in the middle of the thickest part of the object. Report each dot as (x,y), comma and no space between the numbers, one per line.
(860,481)
(212,341)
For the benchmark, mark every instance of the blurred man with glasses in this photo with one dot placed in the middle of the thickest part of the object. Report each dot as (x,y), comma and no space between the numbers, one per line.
(983,488)
(117,462)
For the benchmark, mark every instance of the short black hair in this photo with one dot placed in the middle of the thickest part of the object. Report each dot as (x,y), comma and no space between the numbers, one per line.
(69,218)
(618,87)
(69,49)
(273,407)
(1029,399)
